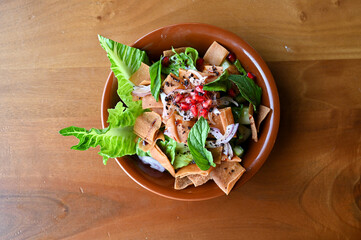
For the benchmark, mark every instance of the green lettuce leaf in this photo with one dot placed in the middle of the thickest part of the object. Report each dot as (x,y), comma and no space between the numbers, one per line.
(192,54)
(196,142)
(121,116)
(116,142)
(183,156)
(238,65)
(140,152)
(220,84)
(155,72)
(178,61)
(248,89)
(124,61)
(168,146)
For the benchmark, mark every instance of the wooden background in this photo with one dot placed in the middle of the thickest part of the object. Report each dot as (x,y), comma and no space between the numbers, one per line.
(52,73)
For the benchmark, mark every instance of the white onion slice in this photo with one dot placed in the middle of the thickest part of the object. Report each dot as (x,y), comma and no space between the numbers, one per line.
(141,91)
(224,101)
(230,151)
(152,162)
(222,139)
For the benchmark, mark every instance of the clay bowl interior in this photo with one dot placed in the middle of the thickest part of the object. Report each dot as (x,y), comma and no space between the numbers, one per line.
(200,37)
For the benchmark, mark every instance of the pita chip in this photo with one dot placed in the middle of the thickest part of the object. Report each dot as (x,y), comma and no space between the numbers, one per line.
(198,180)
(147,125)
(169,53)
(215,54)
(253,123)
(150,102)
(142,74)
(262,114)
(192,169)
(217,154)
(226,175)
(181,183)
(160,156)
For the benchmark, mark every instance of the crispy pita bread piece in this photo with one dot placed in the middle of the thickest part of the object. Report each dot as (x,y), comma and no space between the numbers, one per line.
(223,119)
(136,98)
(253,123)
(217,154)
(235,159)
(147,125)
(226,175)
(183,128)
(172,82)
(145,83)
(158,111)
(141,75)
(171,127)
(181,183)
(192,169)
(233,70)
(150,102)
(215,54)
(145,146)
(169,53)
(262,114)
(198,180)
(160,156)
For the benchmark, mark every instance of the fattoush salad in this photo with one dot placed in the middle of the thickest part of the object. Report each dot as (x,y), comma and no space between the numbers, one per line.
(189,115)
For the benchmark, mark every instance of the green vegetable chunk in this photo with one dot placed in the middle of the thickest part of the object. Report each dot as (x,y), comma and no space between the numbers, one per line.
(248,89)
(196,142)
(168,146)
(155,72)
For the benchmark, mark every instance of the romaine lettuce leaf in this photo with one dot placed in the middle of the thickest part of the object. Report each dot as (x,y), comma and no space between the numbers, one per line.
(124,61)
(168,146)
(115,142)
(183,156)
(140,152)
(192,54)
(121,116)
(155,72)
(196,142)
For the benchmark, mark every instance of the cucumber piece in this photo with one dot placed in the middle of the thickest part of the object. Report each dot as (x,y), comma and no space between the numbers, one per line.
(225,64)
(243,117)
(238,150)
(244,133)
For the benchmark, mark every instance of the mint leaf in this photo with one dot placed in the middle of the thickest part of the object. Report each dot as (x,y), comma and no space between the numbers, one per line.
(155,72)
(220,84)
(192,54)
(248,89)
(116,142)
(196,142)
(239,67)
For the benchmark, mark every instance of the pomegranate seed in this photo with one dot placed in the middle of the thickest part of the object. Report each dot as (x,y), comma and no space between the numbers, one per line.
(165,61)
(189,100)
(184,106)
(207,103)
(204,113)
(199,98)
(194,110)
(178,98)
(231,57)
(250,75)
(231,92)
(199,88)
(200,64)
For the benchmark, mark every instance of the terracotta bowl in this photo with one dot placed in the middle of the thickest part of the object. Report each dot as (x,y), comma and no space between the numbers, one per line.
(200,37)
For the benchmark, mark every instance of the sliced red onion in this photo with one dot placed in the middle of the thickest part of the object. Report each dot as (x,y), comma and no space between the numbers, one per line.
(152,162)
(224,101)
(222,139)
(230,151)
(141,91)
(216,111)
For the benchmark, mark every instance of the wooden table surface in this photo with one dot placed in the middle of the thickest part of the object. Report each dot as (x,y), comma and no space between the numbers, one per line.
(52,73)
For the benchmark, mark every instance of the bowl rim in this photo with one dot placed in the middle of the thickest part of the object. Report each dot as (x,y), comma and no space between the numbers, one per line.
(269,82)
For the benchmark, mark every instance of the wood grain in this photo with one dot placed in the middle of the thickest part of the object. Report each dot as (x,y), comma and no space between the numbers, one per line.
(52,72)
